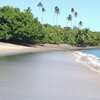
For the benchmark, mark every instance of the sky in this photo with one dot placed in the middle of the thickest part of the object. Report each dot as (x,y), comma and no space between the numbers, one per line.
(88,10)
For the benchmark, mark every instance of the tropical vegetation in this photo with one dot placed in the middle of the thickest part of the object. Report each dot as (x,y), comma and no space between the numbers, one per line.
(22,27)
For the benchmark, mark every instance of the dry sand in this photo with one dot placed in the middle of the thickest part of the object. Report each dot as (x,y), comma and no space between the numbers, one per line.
(9,49)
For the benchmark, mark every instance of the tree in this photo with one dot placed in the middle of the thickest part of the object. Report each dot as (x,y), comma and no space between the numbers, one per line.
(22,27)
(72,12)
(80,24)
(19,27)
(75,15)
(40,6)
(84,38)
(28,9)
(57,12)
(43,10)
(69,18)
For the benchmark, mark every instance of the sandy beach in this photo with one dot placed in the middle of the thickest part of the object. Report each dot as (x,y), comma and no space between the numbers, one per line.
(53,75)
(9,49)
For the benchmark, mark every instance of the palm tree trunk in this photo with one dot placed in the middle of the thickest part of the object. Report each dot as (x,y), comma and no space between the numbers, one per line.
(42,18)
(54,19)
(75,22)
(80,27)
(39,14)
(72,21)
(72,24)
(67,24)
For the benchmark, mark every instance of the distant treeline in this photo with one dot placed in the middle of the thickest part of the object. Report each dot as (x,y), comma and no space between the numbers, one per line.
(22,27)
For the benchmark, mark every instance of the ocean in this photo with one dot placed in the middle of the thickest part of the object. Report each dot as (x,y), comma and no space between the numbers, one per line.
(90,58)
(95,52)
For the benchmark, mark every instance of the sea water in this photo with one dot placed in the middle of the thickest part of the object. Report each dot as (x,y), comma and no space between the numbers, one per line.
(90,58)
(92,52)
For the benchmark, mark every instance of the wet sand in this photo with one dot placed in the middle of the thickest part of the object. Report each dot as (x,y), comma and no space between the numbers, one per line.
(53,75)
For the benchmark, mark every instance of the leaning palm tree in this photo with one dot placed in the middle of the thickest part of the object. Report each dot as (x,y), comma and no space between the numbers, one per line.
(69,18)
(43,10)
(57,12)
(80,24)
(75,16)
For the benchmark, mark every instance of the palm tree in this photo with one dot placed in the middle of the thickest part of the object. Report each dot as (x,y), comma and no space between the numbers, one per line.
(43,10)
(80,24)
(40,6)
(75,16)
(57,12)
(72,11)
(69,18)
(28,9)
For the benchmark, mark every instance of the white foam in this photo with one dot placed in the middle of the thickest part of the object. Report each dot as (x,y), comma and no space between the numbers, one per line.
(91,61)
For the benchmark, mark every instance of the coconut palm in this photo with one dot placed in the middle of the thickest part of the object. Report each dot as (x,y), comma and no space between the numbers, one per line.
(80,24)
(28,9)
(40,6)
(75,16)
(57,12)
(69,18)
(72,12)
(43,10)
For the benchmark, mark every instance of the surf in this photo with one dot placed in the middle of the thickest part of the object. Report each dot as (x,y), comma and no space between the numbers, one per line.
(89,60)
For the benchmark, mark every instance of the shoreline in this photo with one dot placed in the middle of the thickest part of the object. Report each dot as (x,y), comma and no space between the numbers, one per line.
(12,49)
(55,73)
(90,61)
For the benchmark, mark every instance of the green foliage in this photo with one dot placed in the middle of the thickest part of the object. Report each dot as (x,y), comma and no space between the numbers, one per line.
(53,34)
(19,27)
(69,36)
(22,27)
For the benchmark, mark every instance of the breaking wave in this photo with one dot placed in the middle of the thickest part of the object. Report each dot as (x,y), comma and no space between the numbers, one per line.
(89,60)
